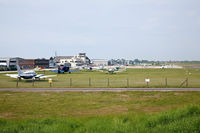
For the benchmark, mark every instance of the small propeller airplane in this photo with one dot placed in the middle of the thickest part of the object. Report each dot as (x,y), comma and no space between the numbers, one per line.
(111,70)
(28,75)
(63,69)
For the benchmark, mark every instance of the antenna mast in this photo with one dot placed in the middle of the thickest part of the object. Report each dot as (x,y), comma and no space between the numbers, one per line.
(55,54)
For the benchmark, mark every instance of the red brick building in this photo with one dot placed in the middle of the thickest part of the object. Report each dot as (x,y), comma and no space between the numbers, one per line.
(26,63)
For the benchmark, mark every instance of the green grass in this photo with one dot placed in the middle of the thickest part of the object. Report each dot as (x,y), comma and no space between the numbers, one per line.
(22,105)
(185,120)
(99,112)
(136,78)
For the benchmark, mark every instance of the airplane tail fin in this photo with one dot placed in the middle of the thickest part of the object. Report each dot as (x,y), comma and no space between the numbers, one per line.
(18,68)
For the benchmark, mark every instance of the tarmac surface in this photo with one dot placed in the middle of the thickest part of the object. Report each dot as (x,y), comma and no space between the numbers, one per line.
(97,89)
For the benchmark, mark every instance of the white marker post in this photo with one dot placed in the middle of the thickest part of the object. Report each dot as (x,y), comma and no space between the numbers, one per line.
(50,82)
(147,80)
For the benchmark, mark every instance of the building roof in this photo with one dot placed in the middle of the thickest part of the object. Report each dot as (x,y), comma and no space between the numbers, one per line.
(57,58)
(10,58)
(99,60)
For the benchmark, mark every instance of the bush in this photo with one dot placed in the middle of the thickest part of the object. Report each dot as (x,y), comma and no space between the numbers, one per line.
(3,69)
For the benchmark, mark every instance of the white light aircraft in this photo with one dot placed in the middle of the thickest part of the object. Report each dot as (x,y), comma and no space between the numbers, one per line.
(28,75)
(113,69)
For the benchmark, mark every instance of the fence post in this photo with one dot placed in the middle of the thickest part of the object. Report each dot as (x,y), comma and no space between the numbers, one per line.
(89,82)
(17,83)
(70,80)
(127,82)
(187,82)
(108,82)
(165,82)
(33,82)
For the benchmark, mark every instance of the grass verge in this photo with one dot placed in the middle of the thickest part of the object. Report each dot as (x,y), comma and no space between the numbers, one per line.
(183,120)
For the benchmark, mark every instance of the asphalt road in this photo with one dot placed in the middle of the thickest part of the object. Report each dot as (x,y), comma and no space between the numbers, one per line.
(98,89)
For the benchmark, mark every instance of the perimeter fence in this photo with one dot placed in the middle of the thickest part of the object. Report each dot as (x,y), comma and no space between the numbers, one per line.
(108,83)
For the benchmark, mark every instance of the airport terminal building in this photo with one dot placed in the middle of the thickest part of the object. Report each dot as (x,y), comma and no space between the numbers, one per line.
(73,61)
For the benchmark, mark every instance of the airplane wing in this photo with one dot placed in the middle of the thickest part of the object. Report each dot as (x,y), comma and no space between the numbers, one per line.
(12,75)
(41,76)
(73,71)
(56,71)
(47,76)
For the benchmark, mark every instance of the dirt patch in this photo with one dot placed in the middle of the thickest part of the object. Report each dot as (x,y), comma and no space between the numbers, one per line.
(102,111)
(123,95)
(44,94)
(7,94)
(152,96)
(151,110)
(180,94)
(6,115)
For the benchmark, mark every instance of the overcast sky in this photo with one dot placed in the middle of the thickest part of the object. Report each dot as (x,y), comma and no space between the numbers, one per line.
(144,29)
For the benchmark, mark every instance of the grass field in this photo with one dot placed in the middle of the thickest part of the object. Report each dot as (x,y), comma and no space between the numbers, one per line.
(99,112)
(130,78)
(102,112)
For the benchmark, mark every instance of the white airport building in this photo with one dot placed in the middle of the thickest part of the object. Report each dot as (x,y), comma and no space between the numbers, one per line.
(99,62)
(73,61)
(8,62)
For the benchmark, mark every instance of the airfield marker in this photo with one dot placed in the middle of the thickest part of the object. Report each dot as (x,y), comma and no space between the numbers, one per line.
(50,81)
(147,80)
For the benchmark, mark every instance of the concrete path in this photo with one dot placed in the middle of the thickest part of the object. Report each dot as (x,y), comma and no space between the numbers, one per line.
(98,89)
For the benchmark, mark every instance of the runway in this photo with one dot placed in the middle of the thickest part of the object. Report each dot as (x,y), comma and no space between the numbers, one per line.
(97,89)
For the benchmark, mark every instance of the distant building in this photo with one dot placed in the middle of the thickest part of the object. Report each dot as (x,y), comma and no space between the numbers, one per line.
(78,60)
(26,63)
(23,63)
(33,63)
(99,62)
(41,63)
(8,62)
(52,63)
(13,62)
(4,62)
(120,62)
